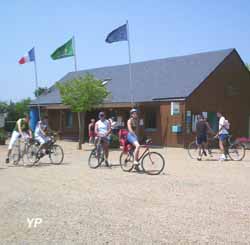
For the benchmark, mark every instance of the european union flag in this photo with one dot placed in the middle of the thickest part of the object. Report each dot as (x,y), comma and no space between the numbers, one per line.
(119,34)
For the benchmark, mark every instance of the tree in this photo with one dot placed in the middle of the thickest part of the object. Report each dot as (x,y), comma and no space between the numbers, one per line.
(82,95)
(15,111)
(40,90)
(3,107)
(248,66)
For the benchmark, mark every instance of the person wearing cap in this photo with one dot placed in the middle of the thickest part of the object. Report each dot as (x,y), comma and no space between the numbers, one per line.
(22,129)
(102,131)
(132,137)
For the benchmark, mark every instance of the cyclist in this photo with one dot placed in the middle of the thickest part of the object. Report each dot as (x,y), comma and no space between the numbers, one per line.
(22,129)
(132,137)
(102,131)
(222,134)
(40,133)
(202,128)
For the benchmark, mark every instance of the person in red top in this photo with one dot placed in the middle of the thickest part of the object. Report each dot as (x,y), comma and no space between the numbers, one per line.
(92,131)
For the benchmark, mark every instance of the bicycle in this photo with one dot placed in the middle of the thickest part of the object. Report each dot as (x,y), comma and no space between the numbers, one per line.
(96,157)
(233,150)
(54,151)
(20,150)
(151,162)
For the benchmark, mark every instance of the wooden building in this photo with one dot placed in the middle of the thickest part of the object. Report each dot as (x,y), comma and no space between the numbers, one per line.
(169,94)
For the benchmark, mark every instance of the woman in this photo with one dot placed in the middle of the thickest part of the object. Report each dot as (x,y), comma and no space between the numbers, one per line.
(92,131)
(132,137)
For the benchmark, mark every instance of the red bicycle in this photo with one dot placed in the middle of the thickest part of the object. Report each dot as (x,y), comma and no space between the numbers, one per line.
(151,162)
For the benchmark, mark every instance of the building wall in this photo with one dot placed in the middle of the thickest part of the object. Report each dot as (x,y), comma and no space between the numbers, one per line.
(225,90)
(170,138)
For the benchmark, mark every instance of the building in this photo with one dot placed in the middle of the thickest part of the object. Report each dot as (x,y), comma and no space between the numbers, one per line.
(169,94)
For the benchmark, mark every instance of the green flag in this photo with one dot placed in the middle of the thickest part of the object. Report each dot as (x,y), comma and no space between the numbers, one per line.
(66,50)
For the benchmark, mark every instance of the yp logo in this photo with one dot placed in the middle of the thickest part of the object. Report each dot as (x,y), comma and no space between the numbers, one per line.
(34,222)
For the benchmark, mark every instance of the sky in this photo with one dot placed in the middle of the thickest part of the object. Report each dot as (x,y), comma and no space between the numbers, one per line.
(158,29)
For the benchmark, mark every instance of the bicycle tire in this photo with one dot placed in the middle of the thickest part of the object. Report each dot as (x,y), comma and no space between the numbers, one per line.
(193,150)
(129,157)
(32,154)
(94,161)
(15,155)
(52,150)
(149,155)
(233,151)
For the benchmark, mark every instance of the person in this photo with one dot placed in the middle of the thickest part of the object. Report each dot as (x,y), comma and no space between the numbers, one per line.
(132,137)
(102,131)
(21,129)
(202,129)
(92,131)
(222,134)
(40,133)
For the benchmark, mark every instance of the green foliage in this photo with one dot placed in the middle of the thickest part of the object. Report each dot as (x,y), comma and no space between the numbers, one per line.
(15,111)
(82,94)
(114,141)
(40,90)
(3,134)
(248,66)
(3,107)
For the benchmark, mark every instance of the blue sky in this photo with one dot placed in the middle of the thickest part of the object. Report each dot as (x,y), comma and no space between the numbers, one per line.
(158,29)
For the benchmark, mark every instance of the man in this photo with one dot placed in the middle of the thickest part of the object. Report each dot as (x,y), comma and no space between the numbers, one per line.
(222,134)
(102,131)
(202,128)
(22,129)
(132,137)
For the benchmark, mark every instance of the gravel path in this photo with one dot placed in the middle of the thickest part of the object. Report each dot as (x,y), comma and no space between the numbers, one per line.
(190,203)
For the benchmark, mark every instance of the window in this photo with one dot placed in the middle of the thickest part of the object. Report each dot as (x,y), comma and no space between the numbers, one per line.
(150,120)
(175,108)
(69,119)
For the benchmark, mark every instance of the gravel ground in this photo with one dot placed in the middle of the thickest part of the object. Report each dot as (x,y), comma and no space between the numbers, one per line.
(192,202)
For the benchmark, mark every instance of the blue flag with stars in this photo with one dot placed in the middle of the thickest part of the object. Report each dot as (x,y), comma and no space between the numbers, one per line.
(117,35)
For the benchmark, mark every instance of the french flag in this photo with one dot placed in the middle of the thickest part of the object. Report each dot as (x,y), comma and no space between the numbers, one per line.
(28,58)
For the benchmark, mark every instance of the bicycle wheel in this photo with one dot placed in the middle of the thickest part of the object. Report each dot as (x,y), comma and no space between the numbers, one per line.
(15,155)
(153,163)
(193,150)
(32,153)
(56,154)
(95,159)
(127,161)
(237,151)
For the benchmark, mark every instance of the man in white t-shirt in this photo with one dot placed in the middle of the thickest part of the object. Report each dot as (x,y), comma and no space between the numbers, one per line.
(102,131)
(222,134)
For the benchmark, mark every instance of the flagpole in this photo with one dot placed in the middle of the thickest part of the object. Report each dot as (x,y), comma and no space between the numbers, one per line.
(130,67)
(36,80)
(74,47)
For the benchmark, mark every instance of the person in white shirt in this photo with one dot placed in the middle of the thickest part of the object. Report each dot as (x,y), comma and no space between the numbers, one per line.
(102,131)
(40,134)
(222,134)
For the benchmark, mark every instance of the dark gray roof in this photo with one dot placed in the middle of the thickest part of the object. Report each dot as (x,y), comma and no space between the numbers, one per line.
(175,77)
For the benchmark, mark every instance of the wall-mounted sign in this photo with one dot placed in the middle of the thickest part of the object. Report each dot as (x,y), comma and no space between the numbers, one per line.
(175,108)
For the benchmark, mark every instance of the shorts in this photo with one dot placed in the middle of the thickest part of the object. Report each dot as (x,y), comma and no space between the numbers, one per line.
(223,137)
(91,134)
(201,139)
(42,139)
(14,137)
(132,138)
